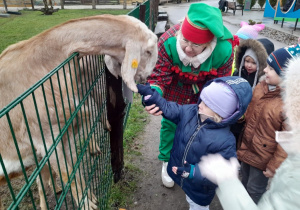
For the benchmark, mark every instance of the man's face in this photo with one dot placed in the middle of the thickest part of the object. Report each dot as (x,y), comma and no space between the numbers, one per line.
(191,49)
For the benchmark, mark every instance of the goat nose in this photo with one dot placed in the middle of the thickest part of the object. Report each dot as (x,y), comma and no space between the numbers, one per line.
(143,80)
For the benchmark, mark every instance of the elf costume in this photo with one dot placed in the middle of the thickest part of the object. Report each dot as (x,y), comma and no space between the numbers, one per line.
(179,78)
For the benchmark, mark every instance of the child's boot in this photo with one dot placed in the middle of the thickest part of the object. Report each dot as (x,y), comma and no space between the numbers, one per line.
(166,179)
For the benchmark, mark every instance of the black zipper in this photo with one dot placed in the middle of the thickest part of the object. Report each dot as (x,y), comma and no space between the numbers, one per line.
(187,148)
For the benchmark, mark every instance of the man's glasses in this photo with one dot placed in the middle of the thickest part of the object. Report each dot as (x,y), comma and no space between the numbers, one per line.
(194,46)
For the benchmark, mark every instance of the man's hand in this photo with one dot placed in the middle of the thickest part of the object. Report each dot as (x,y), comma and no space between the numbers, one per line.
(153,109)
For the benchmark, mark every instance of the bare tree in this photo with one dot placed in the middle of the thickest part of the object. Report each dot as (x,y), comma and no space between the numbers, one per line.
(94,4)
(62,4)
(125,4)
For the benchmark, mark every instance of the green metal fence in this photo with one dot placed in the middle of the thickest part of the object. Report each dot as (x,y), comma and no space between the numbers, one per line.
(67,136)
(57,137)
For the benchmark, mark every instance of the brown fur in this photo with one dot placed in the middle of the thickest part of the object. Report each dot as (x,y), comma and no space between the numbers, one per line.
(123,38)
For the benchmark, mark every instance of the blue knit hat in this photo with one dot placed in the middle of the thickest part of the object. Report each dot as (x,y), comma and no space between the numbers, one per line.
(279,58)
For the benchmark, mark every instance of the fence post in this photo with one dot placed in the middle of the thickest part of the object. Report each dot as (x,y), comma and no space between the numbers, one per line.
(156,10)
(151,14)
(142,13)
(115,114)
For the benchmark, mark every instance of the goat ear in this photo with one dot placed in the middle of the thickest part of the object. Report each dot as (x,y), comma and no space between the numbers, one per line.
(113,66)
(130,64)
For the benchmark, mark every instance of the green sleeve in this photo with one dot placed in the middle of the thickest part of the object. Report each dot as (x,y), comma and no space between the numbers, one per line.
(158,89)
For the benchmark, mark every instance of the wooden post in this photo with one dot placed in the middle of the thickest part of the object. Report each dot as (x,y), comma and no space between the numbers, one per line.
(153,13)
(142,13)
(115,114)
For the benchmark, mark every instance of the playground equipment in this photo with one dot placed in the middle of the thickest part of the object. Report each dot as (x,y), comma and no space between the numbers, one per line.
(278,13)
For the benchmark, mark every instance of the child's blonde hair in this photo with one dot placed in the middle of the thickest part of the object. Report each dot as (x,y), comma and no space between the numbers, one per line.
(217,118)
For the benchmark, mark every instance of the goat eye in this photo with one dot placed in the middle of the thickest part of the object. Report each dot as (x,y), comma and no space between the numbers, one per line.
(149,53)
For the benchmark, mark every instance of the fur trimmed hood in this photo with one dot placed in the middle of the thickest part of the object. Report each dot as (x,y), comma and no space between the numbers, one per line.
(291,99)
(258,49)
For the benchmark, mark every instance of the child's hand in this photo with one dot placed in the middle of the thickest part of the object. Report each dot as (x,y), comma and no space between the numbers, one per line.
(186,171)
(145,90)
(174,169)
(268,173)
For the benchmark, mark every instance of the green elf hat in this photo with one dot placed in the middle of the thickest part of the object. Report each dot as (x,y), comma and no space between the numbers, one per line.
(202,23)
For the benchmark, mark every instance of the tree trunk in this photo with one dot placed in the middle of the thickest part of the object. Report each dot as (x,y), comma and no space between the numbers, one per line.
(32,4)
(93,4)
(62,4)
(5,5)
(125,4)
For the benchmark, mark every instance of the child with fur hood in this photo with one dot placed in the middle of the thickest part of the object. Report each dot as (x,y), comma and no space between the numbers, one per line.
(250,61)
(244,33)
(202,128)
(259,153)
(284,192)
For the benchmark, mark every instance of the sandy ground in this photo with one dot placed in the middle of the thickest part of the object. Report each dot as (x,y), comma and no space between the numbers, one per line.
(151,193)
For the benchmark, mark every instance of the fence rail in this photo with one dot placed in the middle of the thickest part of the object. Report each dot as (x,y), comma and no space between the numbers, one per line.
(62,138)
(56,139)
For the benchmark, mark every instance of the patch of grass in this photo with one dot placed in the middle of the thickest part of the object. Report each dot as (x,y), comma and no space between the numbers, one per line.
(21,27)
(136,121)
(122,192)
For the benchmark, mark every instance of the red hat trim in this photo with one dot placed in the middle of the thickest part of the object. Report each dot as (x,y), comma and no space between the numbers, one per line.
(194,33)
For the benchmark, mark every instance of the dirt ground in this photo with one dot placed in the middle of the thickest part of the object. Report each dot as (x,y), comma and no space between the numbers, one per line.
(151,193)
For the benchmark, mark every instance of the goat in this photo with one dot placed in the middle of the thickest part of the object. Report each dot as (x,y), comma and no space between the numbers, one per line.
(124,39)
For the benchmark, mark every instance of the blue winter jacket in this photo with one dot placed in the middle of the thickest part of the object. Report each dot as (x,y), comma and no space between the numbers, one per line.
(194,138)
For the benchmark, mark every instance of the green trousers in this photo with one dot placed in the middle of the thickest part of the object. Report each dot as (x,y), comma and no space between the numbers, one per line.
(167,133)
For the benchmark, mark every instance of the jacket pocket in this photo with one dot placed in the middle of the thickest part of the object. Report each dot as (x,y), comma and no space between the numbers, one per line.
(264,144)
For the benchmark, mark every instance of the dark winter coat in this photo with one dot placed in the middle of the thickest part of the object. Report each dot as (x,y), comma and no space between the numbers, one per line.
(194,138)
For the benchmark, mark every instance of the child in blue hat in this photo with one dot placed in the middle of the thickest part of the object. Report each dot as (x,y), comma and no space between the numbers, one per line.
(202,128)
(260,154)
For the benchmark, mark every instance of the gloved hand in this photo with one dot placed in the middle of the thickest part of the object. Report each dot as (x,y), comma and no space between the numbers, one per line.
(145,90)
(187,171)
(217,169)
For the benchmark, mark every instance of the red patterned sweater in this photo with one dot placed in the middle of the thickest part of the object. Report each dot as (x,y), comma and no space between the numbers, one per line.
(176,85)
